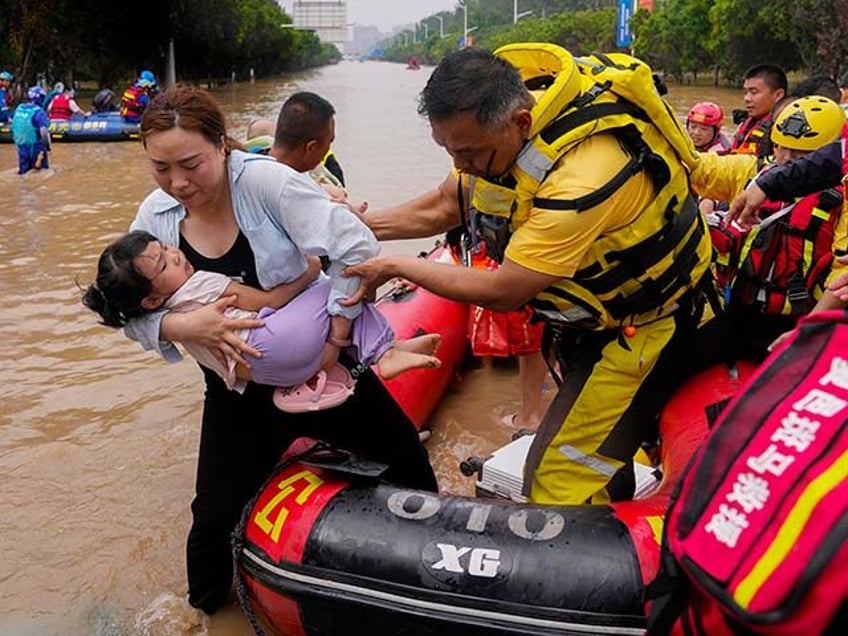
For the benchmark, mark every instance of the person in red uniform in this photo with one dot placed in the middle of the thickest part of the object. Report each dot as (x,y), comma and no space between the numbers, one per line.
(764,86)
(703,123)
(64,106)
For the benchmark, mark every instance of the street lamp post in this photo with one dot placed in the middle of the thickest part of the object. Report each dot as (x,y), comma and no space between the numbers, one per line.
(464,25)
(516,16)
(441,25)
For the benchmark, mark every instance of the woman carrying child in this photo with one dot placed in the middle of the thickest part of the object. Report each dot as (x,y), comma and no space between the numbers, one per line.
(255,221)
(137,275)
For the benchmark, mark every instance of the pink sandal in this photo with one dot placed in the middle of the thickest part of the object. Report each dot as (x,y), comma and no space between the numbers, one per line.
(332,388)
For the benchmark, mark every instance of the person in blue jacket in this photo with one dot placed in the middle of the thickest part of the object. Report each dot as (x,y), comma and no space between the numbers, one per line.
(31,133)
(5,111)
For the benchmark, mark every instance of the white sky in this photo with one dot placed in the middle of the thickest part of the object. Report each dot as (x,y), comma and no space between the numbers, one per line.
(386,14)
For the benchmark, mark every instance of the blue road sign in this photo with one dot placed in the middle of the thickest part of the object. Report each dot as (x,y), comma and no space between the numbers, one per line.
(623,34)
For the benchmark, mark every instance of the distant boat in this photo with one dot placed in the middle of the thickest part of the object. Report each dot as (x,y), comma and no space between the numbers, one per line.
(106,126)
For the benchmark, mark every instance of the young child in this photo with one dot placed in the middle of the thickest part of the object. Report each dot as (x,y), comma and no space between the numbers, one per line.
(137,275)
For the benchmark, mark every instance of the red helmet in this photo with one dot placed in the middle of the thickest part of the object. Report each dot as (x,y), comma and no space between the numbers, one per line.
(706,113)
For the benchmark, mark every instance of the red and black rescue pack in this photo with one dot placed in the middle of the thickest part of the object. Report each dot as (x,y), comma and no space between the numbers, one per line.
(781,266)
(131,102)
(755,536)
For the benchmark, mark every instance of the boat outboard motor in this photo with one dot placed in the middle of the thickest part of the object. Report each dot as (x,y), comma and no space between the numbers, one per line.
(104,101)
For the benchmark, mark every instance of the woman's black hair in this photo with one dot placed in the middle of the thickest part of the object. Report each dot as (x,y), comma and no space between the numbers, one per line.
(117,294)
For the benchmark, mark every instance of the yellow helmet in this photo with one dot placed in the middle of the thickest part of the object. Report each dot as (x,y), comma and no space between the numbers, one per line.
(808,123)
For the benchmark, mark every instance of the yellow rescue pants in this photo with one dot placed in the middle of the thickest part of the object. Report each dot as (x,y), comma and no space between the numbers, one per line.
(613,390)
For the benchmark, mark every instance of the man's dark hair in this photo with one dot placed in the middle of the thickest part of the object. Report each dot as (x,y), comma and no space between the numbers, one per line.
(843,80)
(304,116)
(473,80)
(772,75)
(818,84)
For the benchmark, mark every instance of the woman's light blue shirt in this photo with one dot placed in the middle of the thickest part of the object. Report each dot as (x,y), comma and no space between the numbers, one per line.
(285,215)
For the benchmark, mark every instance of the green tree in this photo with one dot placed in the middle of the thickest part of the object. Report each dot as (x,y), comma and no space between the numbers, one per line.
(816,28)
(675,37)
(108,42)
(744,32)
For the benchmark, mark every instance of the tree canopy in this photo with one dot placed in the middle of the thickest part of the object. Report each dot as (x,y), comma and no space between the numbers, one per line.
(106,42)
(683,38)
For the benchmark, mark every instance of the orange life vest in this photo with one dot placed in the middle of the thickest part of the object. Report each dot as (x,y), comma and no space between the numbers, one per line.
(750,136)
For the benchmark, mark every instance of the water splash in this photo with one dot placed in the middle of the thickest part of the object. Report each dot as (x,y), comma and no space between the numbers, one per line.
(170,614)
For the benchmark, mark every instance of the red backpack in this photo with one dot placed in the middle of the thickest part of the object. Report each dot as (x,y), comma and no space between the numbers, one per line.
(781,266)
(756,537)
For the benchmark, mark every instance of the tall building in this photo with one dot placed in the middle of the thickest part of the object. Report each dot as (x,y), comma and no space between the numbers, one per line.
(328,18)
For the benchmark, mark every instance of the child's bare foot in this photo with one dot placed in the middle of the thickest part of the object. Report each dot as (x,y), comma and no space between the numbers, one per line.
(397,360)
(427,344)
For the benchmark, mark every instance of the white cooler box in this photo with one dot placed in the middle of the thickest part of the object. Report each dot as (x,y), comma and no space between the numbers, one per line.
(501,474)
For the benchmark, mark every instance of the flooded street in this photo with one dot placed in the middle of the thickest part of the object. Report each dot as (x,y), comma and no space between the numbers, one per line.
(98,440)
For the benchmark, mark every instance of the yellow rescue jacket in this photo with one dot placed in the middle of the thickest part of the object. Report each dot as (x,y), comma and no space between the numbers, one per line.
(722,177)
(625,282)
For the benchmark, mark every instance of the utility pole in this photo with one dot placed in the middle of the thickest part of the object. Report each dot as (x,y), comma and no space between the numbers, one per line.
(171,70)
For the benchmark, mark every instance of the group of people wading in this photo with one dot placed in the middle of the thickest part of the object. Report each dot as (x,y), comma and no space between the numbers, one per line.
(589,208)
(31,118)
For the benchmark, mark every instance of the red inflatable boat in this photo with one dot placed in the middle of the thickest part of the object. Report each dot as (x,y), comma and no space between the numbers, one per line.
(413,311)
(318,554)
